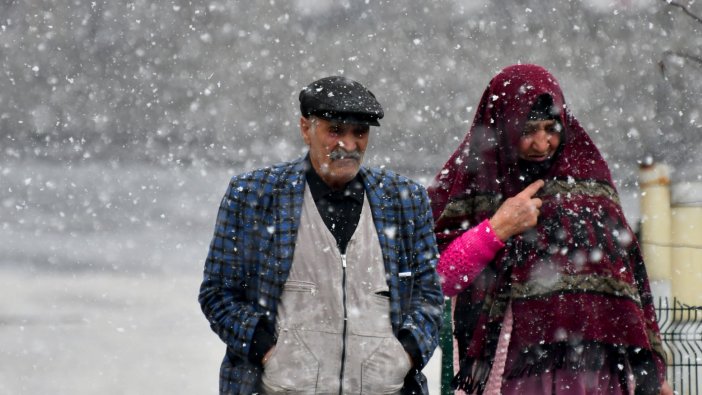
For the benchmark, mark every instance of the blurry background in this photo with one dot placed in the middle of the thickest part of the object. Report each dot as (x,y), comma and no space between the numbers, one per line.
(122,121)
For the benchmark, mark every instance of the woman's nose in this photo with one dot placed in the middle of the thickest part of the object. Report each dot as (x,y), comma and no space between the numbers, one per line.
(541,140)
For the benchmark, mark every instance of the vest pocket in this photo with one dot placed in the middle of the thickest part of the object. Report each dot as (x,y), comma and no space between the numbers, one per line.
(291,367)
(294,308)
(384,371)
(372,316)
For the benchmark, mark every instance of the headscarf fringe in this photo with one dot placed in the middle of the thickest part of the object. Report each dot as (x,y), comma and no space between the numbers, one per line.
(472,376)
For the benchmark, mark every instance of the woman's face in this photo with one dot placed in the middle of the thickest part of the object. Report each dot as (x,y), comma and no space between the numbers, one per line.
(539,140)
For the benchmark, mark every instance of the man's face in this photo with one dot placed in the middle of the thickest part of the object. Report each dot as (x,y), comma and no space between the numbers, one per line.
(336,149)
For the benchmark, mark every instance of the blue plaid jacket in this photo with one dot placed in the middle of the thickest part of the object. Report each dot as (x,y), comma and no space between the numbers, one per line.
(252,250)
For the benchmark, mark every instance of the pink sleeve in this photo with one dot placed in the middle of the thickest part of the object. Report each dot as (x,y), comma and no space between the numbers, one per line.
(466,256)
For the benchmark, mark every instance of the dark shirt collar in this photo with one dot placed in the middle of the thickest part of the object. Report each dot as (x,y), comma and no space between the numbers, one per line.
(353,189)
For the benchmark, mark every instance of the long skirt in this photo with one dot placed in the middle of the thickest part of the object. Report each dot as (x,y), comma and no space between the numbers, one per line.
(557,382)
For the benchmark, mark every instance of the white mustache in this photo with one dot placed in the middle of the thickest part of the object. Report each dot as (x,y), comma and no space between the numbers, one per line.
(343,154)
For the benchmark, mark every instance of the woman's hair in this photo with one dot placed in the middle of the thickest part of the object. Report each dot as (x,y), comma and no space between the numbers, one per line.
(543,109)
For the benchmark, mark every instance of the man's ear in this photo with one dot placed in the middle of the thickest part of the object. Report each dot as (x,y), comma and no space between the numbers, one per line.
(305,126)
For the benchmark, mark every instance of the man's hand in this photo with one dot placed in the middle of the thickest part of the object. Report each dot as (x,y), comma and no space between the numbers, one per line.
(517,213)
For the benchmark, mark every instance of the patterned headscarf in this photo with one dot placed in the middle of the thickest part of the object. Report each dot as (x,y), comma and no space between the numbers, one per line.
(576,282)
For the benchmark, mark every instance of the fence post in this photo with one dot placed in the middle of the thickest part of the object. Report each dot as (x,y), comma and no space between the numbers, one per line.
(446,344)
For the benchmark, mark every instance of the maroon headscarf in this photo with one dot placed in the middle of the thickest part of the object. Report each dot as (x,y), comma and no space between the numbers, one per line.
(577,283)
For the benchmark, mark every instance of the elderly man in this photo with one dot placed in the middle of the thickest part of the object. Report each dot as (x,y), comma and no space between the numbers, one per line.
(321,274)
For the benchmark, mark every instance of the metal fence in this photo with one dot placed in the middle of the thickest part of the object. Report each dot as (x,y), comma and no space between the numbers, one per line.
(681,332)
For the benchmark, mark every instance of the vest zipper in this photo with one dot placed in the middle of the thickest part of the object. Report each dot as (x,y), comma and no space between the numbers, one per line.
(343,335)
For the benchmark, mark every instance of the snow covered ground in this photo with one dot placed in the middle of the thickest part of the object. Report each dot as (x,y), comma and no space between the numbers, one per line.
(99,271)
(96,333)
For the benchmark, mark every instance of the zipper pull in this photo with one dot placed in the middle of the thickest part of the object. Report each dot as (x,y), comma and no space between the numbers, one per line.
(343,261)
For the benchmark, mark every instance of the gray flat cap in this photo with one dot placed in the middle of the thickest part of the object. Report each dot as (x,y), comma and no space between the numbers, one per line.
(340,99)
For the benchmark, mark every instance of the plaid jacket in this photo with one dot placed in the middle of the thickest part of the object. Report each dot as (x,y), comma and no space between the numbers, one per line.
(252,250)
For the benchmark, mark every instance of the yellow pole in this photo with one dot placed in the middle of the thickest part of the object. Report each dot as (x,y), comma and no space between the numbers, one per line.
(687,243)
(654,181)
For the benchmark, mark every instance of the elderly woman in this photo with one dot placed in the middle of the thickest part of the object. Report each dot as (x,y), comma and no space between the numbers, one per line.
(552,296)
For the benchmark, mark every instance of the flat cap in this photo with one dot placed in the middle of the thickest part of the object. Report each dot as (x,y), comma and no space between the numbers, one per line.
(340,99)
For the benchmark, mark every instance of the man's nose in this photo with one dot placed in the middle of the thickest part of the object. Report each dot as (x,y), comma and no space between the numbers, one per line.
(347,142)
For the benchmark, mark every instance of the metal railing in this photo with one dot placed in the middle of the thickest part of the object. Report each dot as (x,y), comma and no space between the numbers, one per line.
(681,332)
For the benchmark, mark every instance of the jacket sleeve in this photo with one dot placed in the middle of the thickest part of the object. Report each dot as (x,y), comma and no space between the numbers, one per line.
(466,257)
(423,319)
(227,274)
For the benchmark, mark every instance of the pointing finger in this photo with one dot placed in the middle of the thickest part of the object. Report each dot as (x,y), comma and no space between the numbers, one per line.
(531,190)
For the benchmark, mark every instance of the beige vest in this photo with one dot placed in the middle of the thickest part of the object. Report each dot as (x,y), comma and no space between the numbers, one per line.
(312,354)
